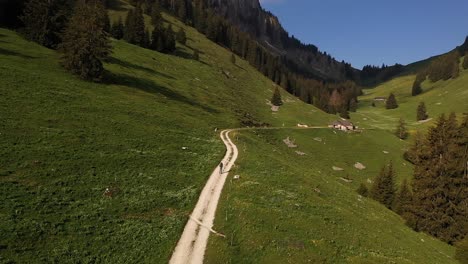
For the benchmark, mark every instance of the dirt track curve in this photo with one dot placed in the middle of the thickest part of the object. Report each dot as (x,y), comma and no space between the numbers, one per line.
(192,244)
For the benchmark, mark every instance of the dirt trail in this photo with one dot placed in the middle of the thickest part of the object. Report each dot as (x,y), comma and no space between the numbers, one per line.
(192,244)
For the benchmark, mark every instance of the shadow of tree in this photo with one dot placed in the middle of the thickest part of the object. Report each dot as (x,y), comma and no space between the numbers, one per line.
(14,53)
(150,87)
(127,64)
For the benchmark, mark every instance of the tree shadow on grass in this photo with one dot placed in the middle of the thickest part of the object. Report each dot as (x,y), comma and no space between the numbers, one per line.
(150,87)
(14,53)
(127,64)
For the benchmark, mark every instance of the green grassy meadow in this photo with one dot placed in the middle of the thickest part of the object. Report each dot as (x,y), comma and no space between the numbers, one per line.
(287,208)
(148,134)
(64,141)
(440,97)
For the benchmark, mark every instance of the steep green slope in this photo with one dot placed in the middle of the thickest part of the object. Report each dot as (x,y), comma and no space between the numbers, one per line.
(287,208)
(440,97)
(64,141)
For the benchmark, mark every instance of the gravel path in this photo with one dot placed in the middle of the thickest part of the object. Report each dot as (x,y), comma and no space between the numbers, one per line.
(192,244)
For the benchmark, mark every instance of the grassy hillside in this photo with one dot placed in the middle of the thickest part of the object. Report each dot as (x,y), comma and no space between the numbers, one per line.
(440,97)
(287,208)
(148,134)
(64,141)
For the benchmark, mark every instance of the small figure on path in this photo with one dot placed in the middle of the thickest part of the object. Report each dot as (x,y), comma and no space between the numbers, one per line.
(221,167)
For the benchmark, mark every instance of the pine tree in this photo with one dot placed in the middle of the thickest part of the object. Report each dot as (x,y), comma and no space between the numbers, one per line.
(391,102)
(383,188)
(157,38)
(233,58)
(421,113)
(146,40)
(403,199)
(276,98)
(117,29)
(401,131)
(344,113)
(44,21)
(107,23)
(421,77)
(85,42)
(363,190)
(181,36)
(182,10)
(135,27)
(156,17)
(353,105)
(440,182)
(169,40)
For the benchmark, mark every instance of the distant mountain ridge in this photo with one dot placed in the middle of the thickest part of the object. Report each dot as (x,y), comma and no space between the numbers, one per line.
(266,28)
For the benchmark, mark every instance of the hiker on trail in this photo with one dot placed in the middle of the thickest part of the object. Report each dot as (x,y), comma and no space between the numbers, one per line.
(221,167)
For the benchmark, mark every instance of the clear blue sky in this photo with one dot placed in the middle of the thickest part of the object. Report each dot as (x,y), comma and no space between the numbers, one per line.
(375,31)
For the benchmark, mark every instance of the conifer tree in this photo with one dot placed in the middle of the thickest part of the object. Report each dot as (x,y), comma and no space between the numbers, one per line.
(276,98)
(233,58)
(157,38)
(146,39)
(85,42)
(181,36)
(182,10)
(135,27)
(363,190)
(383,188)
(107,23)
(440,182)
(353,105)
(117,29)
(420,77)
(44,21)
(169,40)
(421,113)
(401,131)
(344,113)
(196,55)
(156,17)
(403,199)
(391,102)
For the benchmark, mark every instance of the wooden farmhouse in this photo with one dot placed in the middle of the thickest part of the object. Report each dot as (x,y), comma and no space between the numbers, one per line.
(343,125)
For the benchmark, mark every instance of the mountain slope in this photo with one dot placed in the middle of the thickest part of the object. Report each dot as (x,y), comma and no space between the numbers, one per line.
(440,97)
(65,141)
(250,17)
(290,208)
(110,172)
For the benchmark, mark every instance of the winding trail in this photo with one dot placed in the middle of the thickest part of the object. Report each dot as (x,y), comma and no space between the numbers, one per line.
(192,245)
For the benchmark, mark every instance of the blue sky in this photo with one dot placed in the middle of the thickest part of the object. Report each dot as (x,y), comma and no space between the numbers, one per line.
(375,31)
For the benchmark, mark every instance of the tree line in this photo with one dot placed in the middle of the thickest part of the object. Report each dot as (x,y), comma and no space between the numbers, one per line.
(279,69)
(436,200)
(444,67)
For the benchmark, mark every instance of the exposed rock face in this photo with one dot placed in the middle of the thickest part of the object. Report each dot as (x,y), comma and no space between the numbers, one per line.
(250,17)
